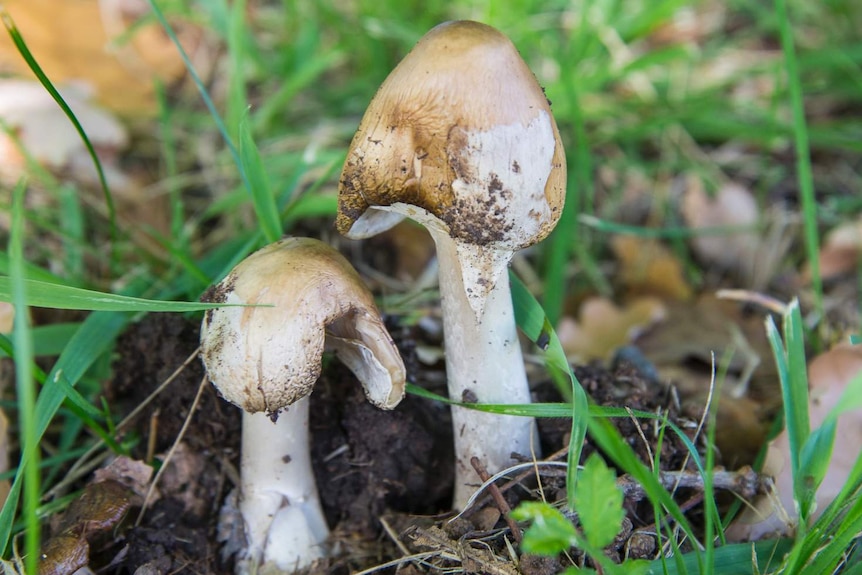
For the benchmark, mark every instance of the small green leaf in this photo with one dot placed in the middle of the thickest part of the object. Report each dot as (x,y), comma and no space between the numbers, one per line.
(599,502)
(550,533)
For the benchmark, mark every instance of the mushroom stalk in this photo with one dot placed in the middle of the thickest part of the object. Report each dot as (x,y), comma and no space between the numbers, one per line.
(483,364)
(284,521)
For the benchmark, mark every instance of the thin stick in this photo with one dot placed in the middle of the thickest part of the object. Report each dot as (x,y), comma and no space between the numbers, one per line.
(477,504)
(744,482)
(498,498)
(394,537)
(401,561)
(173,449)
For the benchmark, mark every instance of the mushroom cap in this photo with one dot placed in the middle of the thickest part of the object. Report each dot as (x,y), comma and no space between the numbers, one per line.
(266,358)
(462,130)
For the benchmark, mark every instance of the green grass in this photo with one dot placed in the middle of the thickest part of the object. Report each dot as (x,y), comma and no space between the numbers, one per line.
(299,75)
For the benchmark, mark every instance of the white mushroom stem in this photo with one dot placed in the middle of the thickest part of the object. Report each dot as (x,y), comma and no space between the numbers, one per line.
(483,364)
(284,522)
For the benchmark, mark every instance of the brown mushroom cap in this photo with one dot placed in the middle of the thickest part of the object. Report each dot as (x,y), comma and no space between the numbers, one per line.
(462,130)
(266,358)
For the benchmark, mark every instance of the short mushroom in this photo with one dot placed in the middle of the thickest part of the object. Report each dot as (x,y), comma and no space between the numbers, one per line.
(266,359)
(460,138)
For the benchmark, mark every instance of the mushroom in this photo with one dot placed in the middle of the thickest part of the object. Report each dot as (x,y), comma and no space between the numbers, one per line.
(461,139)
(266,359)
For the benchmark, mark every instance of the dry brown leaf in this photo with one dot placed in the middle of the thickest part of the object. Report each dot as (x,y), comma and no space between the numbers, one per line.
(408,250)
(602,327)
(179,479)
(752,257)
(97,510)
(828,376)
(647,267)
(682,348)
(48,137)
(732,205)
(74,41)
(839,254)
(45,132)
(7,317)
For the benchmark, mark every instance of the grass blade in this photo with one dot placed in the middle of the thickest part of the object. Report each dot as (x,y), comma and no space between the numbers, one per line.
(42,294)
(25,385)
(261,194)
(738,559)
(530,315)
(235,154)
(790,361)
(803,153)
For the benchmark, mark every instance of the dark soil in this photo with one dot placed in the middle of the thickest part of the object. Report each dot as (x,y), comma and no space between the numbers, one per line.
(371,466)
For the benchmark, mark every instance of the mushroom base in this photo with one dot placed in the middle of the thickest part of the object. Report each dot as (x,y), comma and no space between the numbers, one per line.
(284,523)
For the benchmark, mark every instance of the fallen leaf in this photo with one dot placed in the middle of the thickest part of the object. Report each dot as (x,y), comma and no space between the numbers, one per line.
(131,473)
(602,327)
(47,136)
(7,317)
(682,349)
(179,480)
(683,346)
(45,132)
(647,267)
(99,509)
(752,257)
(828,376)
(839,254)
(741,426)
(732,205)
(404,251)
(90,41)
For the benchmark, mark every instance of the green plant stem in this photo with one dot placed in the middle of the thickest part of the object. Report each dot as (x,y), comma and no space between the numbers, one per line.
(803,153)
(25,386)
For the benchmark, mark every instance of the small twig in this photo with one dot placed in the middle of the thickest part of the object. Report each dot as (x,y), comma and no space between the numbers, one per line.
(469,507)
(747,296)
(153,435)
(394,536)
(642,436)
(745,482)
(533,457)
(533,469)
(401,561)
(173,449)
(498,498)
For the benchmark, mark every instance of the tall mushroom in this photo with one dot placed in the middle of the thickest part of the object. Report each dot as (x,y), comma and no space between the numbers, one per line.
(460,138)
(266,359)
